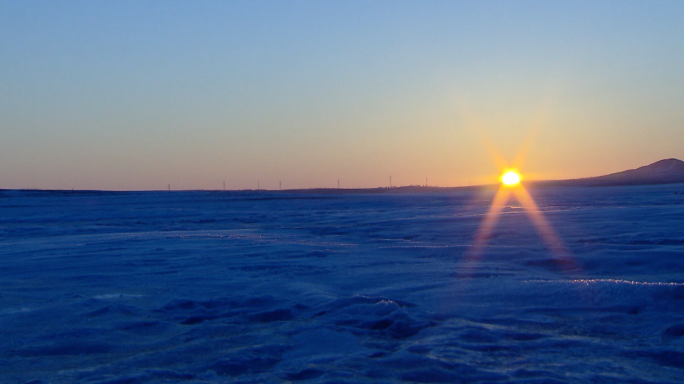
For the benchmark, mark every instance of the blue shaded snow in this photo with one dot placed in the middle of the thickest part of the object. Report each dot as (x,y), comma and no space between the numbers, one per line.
(212,287)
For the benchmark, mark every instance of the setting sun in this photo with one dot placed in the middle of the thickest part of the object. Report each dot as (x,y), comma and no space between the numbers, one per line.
(510,178)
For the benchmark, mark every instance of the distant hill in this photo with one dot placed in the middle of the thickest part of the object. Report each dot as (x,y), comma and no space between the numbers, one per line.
(668,171)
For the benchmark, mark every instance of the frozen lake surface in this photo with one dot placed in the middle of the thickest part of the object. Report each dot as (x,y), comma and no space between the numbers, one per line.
(205,287)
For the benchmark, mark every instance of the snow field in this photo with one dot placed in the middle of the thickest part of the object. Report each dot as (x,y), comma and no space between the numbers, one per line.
(204,287)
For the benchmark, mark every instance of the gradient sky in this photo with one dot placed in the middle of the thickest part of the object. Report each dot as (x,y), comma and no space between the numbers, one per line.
(129,95)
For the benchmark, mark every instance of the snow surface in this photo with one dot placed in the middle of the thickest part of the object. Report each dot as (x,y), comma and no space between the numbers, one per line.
(207,287)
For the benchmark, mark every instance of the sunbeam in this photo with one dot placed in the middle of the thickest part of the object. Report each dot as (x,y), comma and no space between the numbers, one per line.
(512,186)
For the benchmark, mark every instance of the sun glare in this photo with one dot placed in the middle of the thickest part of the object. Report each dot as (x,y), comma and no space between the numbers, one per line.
(510,178)
(512,188)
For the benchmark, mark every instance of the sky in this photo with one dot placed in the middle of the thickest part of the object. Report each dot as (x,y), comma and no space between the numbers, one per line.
(137,95)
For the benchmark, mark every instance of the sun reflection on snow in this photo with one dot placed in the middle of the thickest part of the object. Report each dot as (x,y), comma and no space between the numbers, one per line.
(512,187)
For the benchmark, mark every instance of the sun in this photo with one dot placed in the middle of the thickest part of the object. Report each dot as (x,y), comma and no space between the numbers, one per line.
(510,178)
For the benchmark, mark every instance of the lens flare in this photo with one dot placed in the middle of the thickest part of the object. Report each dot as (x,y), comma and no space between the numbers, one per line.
(510,178)
(512,189)
(562,258)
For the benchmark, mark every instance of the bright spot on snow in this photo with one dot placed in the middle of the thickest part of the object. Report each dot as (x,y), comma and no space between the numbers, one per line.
(510,178)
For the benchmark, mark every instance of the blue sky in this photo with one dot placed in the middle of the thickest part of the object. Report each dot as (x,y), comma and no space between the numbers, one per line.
(140,94)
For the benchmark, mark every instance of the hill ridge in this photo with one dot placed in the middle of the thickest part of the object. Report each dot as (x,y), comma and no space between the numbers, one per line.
(665,171)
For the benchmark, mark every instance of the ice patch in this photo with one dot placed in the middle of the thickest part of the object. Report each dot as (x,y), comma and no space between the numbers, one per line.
(110,296)
(11,311)
(616,281)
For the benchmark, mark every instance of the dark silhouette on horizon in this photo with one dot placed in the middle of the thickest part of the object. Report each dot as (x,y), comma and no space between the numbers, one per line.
(667,171)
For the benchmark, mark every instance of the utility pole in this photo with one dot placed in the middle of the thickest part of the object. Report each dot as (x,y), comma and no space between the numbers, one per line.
(257,185)
(338,183)
(426,182)
(280,185)
(390,181)
(224,185)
